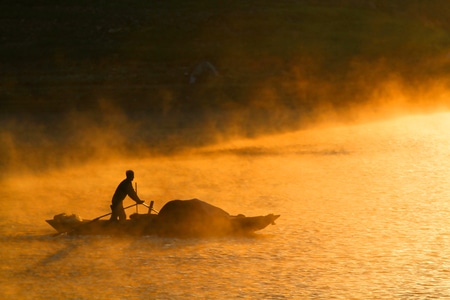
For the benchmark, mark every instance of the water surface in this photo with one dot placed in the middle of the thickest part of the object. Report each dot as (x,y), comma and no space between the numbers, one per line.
(365,213)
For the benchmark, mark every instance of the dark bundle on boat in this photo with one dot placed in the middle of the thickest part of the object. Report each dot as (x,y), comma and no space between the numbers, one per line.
(192,217)
(179,218)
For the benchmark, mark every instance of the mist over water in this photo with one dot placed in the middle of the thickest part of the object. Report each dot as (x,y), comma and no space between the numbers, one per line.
(44,141)
(364,214)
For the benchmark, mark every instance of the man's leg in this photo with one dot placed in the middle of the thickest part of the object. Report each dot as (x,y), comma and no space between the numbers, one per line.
(121,212)
(113,214)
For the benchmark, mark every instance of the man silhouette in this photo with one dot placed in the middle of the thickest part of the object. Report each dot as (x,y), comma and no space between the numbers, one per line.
(125,188)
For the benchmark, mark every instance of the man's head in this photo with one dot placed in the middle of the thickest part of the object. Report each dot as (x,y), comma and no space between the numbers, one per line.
(130,174)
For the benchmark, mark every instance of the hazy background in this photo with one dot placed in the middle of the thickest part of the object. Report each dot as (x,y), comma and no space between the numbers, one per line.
(89,89)
(90,80)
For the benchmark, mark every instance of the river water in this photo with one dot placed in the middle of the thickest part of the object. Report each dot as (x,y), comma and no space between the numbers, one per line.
(365,214)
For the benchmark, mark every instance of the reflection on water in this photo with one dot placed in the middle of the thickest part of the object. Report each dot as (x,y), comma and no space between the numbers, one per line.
(365,214)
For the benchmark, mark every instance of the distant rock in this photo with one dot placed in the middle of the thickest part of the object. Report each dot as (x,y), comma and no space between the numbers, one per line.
(202,70)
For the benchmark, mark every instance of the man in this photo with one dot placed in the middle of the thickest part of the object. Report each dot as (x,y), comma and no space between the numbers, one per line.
(125,188)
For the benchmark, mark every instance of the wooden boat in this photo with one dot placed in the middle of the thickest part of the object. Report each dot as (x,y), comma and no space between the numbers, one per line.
(177,218)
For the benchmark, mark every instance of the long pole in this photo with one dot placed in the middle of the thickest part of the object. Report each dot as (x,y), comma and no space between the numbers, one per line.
(151,208)
(93,220)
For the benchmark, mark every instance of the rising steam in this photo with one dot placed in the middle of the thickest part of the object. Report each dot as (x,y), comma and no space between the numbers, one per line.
(327,62)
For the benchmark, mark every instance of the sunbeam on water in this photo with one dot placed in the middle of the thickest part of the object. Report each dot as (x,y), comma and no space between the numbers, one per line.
(365,213)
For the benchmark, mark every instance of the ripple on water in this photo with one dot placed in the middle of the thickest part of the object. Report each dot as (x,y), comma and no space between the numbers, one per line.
(364,214)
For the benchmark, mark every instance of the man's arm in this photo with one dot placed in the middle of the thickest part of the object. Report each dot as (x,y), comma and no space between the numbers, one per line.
(132,194)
